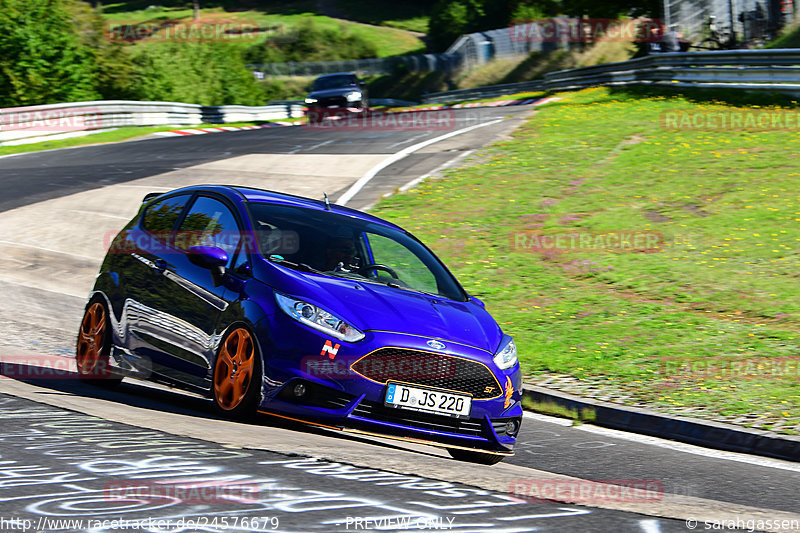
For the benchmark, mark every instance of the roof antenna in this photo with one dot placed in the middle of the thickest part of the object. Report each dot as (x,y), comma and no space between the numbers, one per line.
(327,203)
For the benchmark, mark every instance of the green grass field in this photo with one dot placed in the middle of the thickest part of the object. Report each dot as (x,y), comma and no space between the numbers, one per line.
(389,41)
(403,15)
(707,318)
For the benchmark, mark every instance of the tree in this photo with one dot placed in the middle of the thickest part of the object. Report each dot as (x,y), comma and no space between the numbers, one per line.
(42,58)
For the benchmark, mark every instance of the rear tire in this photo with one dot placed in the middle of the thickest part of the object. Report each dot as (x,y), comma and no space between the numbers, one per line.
(94,346)
(469,456)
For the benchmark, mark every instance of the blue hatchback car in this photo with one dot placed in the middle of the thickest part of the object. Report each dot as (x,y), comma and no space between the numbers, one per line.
(300,309)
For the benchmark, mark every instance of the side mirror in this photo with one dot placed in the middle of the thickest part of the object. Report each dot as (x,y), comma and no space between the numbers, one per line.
(478,301)
(208,256)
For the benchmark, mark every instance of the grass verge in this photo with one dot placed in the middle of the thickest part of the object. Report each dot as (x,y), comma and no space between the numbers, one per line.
(578,416)
(707,322)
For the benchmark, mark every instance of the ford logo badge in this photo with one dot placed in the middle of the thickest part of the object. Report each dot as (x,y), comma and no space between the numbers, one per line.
(436,345)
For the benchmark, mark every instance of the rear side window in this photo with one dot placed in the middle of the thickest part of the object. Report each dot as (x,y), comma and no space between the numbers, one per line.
(209,222)
(160,217)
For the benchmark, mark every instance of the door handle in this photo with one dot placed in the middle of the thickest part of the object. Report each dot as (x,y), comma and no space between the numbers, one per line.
(160,264)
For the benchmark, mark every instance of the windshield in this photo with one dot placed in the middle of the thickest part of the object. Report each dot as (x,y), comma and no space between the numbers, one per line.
(334,82)
(337,245)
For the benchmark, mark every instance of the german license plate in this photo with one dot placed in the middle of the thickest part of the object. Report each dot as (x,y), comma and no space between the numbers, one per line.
(433,401)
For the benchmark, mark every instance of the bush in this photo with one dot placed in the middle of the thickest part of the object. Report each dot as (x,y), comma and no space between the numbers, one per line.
(206,74)
(54,51)
(312,42)
(42,59)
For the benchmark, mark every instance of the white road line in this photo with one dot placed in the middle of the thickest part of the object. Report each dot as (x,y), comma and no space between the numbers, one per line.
(45,249)
(37,288)
(417,181)
(668,444)
(549,419)
(366,178)
(414,138)
(691,448)
(98,214)
(650,526)
(150,187)
(312,147)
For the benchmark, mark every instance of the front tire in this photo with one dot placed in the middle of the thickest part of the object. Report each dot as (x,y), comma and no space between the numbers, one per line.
(469,456)
(237,374)
(94,346)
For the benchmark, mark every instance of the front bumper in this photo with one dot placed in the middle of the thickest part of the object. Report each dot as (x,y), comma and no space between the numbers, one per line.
(311,378)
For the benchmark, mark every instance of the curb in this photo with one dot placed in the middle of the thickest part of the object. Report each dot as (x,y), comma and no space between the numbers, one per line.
(222,129)
(706,433)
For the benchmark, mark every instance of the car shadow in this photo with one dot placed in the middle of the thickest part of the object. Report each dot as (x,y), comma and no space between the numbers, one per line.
(146,395)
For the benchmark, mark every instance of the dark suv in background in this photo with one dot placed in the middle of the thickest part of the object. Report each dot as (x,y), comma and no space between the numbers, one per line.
(336,94)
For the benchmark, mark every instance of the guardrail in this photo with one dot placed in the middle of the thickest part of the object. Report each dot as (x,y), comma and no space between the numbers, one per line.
(69,119)
(488,91)
(385,65)
(764,70)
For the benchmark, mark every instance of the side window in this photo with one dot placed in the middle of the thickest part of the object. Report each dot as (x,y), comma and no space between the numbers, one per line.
(160,217)
(408,266)
(209,222)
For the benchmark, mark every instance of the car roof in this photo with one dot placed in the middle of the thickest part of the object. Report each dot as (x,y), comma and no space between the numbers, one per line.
(263,195)
(252,194)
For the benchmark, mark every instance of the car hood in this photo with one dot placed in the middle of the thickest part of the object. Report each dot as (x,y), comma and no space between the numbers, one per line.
(376,307)
(327,93)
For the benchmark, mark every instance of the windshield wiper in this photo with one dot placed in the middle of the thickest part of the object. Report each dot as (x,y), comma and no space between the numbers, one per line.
(291,264)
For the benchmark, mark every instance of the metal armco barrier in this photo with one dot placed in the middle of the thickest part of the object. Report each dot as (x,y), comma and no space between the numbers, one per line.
(764,70)
(42,120)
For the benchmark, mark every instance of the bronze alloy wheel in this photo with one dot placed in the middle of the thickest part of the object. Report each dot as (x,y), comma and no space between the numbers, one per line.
(91,352)
(236,373)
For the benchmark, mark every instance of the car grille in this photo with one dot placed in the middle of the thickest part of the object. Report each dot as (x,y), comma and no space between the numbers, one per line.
(335,101)
(429,370)
(415,419)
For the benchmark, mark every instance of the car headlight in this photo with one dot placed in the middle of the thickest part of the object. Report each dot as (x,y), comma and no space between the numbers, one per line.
(310,100)
(317,318)
(507,356)
(353,97)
